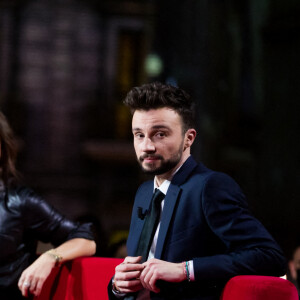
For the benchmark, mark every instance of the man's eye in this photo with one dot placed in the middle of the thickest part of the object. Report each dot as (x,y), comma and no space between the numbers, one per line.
(138,135)
(160,134)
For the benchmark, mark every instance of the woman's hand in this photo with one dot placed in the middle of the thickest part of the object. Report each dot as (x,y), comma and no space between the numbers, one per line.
(33,278)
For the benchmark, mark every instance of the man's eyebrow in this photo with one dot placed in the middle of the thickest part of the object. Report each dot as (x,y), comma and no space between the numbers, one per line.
(153,127)
(161,127)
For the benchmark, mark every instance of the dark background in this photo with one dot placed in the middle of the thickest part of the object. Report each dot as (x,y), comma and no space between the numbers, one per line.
(66,65)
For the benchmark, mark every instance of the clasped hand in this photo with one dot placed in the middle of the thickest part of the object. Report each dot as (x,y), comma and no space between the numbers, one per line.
(131,276)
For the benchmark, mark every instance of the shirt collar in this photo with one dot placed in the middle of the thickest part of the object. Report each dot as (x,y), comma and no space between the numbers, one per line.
(165,185)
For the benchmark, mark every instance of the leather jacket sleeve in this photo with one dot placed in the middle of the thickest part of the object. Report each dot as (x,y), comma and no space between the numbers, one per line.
(25,219)
(47,224)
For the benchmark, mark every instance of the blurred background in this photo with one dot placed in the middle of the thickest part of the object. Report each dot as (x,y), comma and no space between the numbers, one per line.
(66,65)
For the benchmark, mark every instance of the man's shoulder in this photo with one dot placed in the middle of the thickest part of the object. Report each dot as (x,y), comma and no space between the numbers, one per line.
(197,174)
(191,170)
(210,175)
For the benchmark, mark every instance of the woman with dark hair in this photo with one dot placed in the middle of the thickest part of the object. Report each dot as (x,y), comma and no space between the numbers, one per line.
(25,219)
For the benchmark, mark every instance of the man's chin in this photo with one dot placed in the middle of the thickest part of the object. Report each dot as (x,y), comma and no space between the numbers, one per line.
(149,170)
(154,171)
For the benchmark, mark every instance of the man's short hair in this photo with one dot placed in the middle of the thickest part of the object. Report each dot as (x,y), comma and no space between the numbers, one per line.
(157,95)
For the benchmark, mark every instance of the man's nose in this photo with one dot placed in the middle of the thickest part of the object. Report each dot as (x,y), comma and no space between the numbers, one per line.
(148,145)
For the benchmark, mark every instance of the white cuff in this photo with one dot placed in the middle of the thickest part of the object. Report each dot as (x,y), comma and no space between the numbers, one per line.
(191,270)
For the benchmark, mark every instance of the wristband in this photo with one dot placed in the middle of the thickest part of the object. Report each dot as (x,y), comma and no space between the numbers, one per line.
(58,258)
(186,270)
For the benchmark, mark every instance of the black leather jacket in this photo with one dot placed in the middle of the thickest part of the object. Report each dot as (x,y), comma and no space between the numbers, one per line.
(25,219)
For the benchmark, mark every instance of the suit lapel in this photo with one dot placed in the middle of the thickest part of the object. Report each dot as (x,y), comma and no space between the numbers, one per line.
(172,197)
(143,200)
(169,206)
(185,170)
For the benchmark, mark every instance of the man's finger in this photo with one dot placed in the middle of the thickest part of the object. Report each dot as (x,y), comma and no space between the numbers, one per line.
(132,259)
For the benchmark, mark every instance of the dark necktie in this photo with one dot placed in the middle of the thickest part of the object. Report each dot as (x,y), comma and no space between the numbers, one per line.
(151,222)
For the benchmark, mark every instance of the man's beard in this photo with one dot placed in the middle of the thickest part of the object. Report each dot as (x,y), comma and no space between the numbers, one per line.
(166,165)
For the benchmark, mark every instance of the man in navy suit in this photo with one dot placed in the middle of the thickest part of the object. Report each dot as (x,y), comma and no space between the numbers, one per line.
(205,234)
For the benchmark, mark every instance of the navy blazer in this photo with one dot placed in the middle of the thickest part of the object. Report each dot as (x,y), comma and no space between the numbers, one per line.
(206,219)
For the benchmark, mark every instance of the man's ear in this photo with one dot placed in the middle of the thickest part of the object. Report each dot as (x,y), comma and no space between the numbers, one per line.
(189,137)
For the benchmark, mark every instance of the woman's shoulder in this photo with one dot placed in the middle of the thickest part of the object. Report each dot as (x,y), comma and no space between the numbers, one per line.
(20,194)
(19,189)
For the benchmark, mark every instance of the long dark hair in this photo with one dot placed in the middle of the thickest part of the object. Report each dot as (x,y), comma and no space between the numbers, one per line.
(8,150)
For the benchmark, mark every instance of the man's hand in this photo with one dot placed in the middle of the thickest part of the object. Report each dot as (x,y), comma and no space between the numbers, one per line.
(33,278)
(155,269)
(127,275)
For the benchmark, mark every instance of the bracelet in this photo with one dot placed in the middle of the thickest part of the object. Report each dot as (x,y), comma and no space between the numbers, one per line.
(186,270)
(114,287)
(58,258)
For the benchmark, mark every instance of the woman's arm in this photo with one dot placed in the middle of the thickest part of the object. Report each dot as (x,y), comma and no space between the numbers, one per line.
(33,278)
